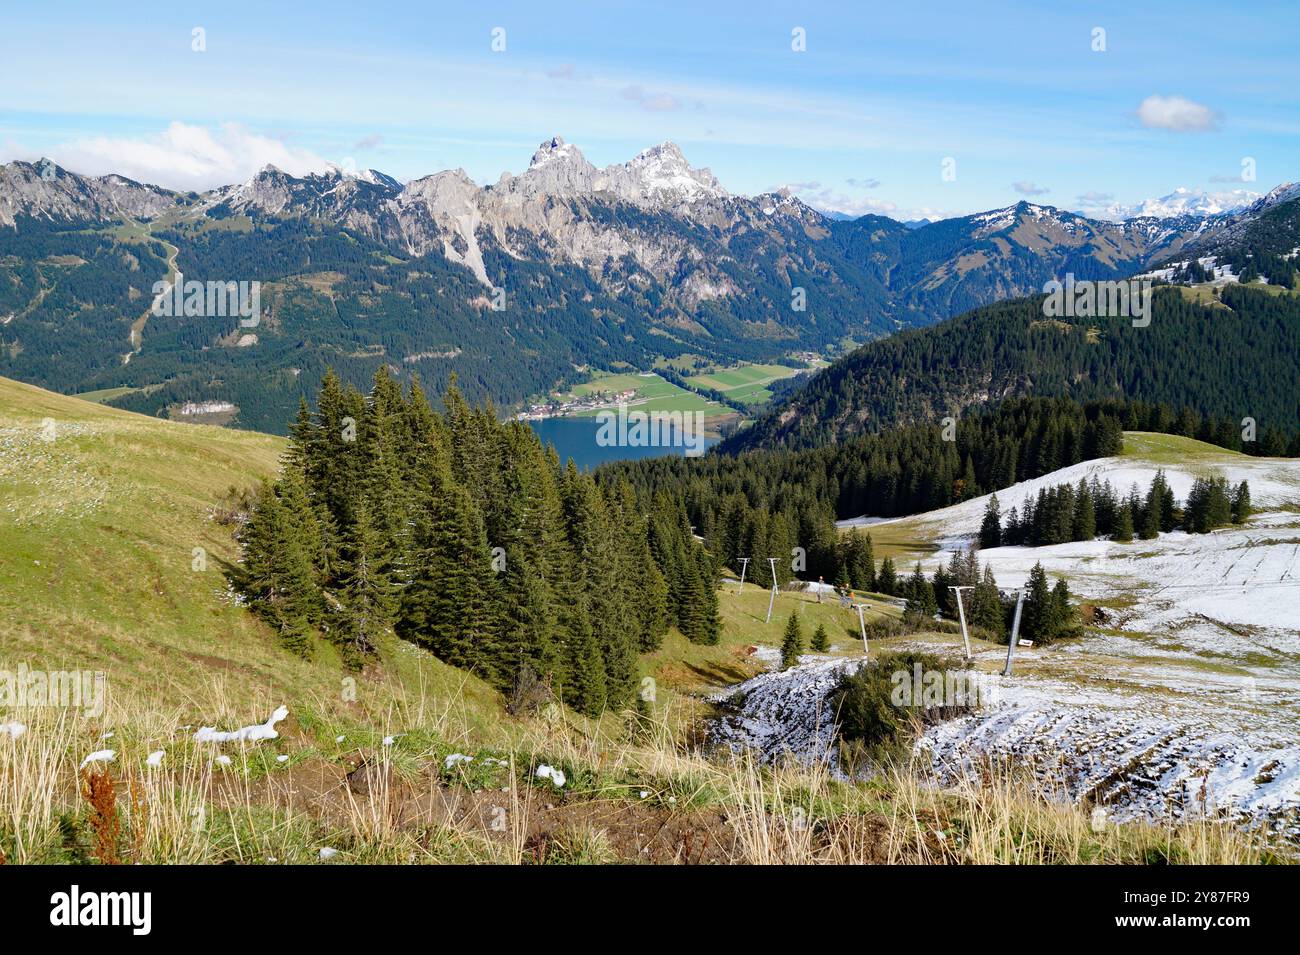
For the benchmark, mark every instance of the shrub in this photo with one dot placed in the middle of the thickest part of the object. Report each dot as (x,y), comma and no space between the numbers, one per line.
(872,723)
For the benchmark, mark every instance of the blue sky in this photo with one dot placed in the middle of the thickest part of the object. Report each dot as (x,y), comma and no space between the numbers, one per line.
(861,120)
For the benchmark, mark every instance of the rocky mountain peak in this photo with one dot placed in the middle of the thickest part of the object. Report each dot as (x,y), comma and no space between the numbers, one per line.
(662,172)
(44,190)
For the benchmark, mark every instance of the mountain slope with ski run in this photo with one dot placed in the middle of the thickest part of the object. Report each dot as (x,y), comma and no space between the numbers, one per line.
(1185,702)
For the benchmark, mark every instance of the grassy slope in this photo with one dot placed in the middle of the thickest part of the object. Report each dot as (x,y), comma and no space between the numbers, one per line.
(97,535)
(97,528)
(1172,449)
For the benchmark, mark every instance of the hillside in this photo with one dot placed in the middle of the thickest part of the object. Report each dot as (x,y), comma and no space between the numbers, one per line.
(1190,356)
(1180,701)
(411,760)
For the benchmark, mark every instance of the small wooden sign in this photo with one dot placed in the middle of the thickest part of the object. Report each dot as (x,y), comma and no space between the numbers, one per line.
(1026,643)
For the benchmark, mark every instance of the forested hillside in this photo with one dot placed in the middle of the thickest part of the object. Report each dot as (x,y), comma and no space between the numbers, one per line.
(764,503)
(517,288)
(465,536)
(1236,358)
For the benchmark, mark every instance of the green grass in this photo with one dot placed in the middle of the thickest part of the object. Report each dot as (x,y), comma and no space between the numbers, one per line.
(746,383)
(652,394)
(97,566)
(1174,449)
(105,394)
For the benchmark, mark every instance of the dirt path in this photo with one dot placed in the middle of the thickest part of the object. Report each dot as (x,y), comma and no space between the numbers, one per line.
(136,336)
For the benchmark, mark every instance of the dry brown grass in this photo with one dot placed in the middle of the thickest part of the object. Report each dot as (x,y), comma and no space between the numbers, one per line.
(720,808)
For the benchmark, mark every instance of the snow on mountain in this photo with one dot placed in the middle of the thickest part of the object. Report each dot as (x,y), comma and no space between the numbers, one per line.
(986,223)
(1181,202)
(662,173)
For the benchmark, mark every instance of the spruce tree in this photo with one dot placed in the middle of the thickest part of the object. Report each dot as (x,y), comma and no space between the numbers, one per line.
(1037,621)
(364,591)
(991,528)
(821,641)
(986,611)
(919,593)
(447,607)
(708,627)
(1123,524)
(887,579)
(1085,514)
(792,642)
(1063,614)
(1241,504)
(278,576)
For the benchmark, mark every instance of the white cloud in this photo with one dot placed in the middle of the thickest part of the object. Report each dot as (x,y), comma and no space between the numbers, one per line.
(654,102)
(187,157)
(1176,113)
(1027,188)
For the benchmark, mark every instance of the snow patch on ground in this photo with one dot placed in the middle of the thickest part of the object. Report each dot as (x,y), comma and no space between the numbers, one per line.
(783,713)
(1113,747)
(1186,701)
(247,734)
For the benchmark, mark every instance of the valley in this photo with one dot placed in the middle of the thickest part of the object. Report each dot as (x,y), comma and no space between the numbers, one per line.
(644,265)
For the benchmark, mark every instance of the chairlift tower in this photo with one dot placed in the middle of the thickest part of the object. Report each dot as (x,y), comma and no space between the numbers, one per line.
(772,600)
(1015,632)
(961,615)
(862,628)
(744,566)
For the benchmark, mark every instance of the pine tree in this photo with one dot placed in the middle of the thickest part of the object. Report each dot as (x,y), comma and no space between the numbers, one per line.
(887,579)
(1123,524)
(1241,504)
(865,570)
(821,641)
(842,582)
(792,643)
(991,528)
(919,593)
(278,574)
(1064,620)
(986,611)
(585,689)
(706,596)
(364,591)
(447,605)
(1085,514)
(1037,621)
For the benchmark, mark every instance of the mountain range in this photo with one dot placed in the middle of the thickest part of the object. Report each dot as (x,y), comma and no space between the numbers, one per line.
(518,286)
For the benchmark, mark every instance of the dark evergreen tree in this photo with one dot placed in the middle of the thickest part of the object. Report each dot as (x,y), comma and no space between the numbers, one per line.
(821,641)
(887,579)
(792,642)
(991,528)
(1241,504)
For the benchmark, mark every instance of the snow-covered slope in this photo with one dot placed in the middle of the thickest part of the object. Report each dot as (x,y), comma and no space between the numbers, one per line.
(1235,592)
(1185,701)
(1181,202)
